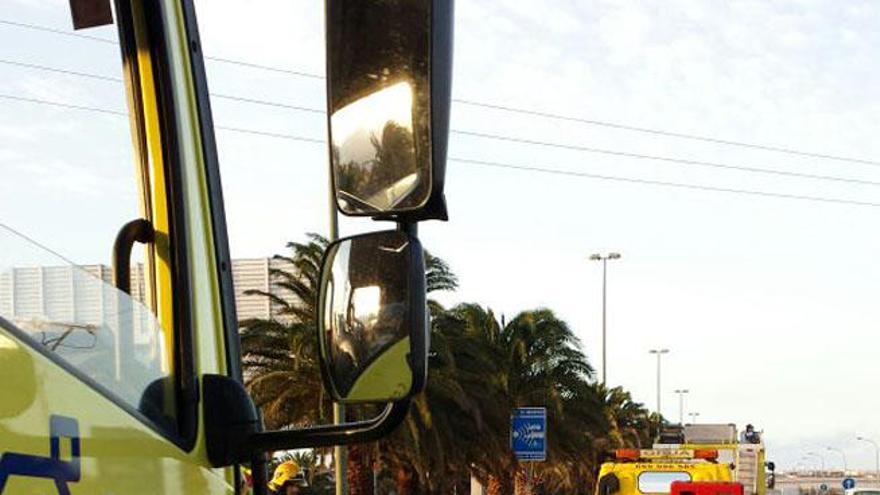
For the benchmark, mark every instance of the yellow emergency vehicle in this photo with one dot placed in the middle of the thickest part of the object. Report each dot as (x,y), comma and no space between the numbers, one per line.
(747,461)
(652,471)
(745,453)
(107,388)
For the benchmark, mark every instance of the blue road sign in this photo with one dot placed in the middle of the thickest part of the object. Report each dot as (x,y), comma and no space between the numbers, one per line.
(849,484)
(528,433)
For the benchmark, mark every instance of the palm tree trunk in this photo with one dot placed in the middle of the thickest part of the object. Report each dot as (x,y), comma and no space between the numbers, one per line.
(498,486)
(523,483)
(406,481)
(360,469)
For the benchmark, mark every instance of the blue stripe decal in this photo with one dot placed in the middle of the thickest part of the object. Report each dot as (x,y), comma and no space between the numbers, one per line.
(53,467)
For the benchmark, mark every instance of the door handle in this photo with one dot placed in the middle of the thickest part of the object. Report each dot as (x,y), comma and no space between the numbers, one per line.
(139,230)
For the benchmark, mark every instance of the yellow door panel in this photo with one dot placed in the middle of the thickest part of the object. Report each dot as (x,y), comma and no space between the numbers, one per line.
(62,436)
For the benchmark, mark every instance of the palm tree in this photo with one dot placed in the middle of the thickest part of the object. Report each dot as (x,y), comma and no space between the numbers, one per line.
(280,355)
(547,368)
(460,404)
(631,421)
(438,278)
(479,372)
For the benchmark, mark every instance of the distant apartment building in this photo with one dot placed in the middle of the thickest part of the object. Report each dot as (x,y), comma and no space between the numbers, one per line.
(111,337)
(254,274)
(75,294)
(84,294)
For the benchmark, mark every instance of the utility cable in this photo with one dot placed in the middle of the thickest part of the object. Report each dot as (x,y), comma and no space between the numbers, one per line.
(663,158)
(511,166)
(124,114)
(626,154)
(514,109)
(100,77)
(672,134)
(650,182)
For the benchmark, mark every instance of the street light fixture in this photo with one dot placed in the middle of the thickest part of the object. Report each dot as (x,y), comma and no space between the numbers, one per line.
(816,466)
(681,393)
(659,353)
(804,467)
(876,456)
(604,259)
(843,455)
(693,416)
(821,459)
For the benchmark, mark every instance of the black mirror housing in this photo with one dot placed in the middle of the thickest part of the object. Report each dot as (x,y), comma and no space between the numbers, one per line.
(372,318)
(389,73)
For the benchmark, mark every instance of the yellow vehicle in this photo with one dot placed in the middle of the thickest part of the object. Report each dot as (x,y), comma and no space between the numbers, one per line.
(748,462)
(114,387)
(652,471)
(748,457)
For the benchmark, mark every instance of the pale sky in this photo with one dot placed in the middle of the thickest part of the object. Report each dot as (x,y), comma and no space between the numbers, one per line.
(767,304)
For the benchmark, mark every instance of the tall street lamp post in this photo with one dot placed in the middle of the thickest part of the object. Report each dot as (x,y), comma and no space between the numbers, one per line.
(801,462)
(821,459)
(842,455)
(812,461)
(659,353)
(876,455)
(681,393)
(604,259)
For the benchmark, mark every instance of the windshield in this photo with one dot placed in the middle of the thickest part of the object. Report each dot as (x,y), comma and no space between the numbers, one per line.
(660,481)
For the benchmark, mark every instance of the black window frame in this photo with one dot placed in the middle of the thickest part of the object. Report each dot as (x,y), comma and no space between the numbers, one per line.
(205,121)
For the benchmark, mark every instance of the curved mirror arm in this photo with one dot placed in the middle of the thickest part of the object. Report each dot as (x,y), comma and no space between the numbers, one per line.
(324,436)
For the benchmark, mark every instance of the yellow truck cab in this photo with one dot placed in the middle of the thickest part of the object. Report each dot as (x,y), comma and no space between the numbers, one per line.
(125,378)
(652,471)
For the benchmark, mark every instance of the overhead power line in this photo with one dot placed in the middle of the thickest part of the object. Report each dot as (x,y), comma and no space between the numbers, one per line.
(62,105)
(650,182)
(514,109)
(662,158)
(239,130)
(88,75)
(269,103)
(46,29)
(101,77)
(277,135)
(265,67)
(504,165)
(672,134)
(587,149)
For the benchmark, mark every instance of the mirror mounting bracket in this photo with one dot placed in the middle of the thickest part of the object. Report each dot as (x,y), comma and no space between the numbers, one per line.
(230,419)
(411,228)
(328,435)
(234,429)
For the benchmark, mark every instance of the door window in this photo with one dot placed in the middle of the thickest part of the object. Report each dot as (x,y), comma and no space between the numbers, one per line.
(68,183)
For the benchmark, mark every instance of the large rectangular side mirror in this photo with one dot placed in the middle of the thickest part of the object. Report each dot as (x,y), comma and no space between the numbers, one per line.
(372,318)
(389,73)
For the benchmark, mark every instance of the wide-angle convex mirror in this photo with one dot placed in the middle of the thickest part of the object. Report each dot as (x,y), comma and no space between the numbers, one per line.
(388,91)
(373,329)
